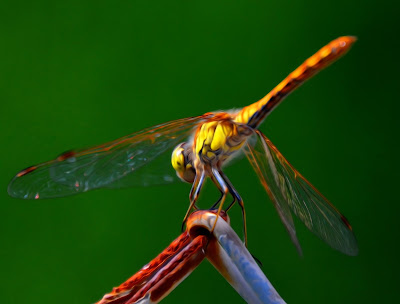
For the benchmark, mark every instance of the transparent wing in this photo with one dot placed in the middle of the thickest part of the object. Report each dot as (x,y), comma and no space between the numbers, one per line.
(120,163)
(259,162)
(289,190)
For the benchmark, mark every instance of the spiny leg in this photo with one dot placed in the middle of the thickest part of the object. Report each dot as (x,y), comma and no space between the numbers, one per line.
(221,184)
(194,195)
(236,197)
(220,190)
(241,204)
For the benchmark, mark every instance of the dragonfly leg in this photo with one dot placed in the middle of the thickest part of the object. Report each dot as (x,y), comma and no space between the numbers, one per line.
(194,195)
(221,184)
(220,190)
(236,197)
(241,204)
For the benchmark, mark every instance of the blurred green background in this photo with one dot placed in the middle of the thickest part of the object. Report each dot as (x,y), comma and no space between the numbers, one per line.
(77,74)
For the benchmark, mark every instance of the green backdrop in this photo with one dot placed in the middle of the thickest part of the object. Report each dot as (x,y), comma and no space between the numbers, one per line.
(77,74)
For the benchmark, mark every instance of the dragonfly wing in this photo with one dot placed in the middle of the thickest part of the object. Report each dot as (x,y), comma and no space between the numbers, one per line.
(306,202)
(159,171)
(266,173)
(107,165)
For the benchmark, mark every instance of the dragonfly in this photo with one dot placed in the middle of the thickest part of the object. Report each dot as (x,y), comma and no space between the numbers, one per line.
(201,146)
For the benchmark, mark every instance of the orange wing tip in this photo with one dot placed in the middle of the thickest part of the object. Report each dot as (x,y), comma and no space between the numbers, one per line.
(26,171)
(346,222)
(66,155)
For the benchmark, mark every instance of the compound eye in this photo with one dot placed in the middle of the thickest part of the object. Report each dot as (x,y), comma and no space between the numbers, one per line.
(178,158)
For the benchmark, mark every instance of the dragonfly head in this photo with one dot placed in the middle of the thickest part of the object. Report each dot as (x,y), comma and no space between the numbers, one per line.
(181,160)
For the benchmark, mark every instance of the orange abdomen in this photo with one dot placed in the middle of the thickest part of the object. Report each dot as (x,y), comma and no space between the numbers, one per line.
(254,114)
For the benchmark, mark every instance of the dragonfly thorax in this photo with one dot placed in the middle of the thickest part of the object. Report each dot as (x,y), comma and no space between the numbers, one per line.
(216,141)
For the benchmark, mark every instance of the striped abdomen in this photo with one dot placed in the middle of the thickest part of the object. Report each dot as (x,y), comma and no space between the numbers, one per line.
(254,114)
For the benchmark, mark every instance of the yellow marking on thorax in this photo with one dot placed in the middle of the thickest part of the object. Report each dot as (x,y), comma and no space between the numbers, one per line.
(217,140)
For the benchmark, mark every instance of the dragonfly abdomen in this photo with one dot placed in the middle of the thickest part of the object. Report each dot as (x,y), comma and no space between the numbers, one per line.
(254,114)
